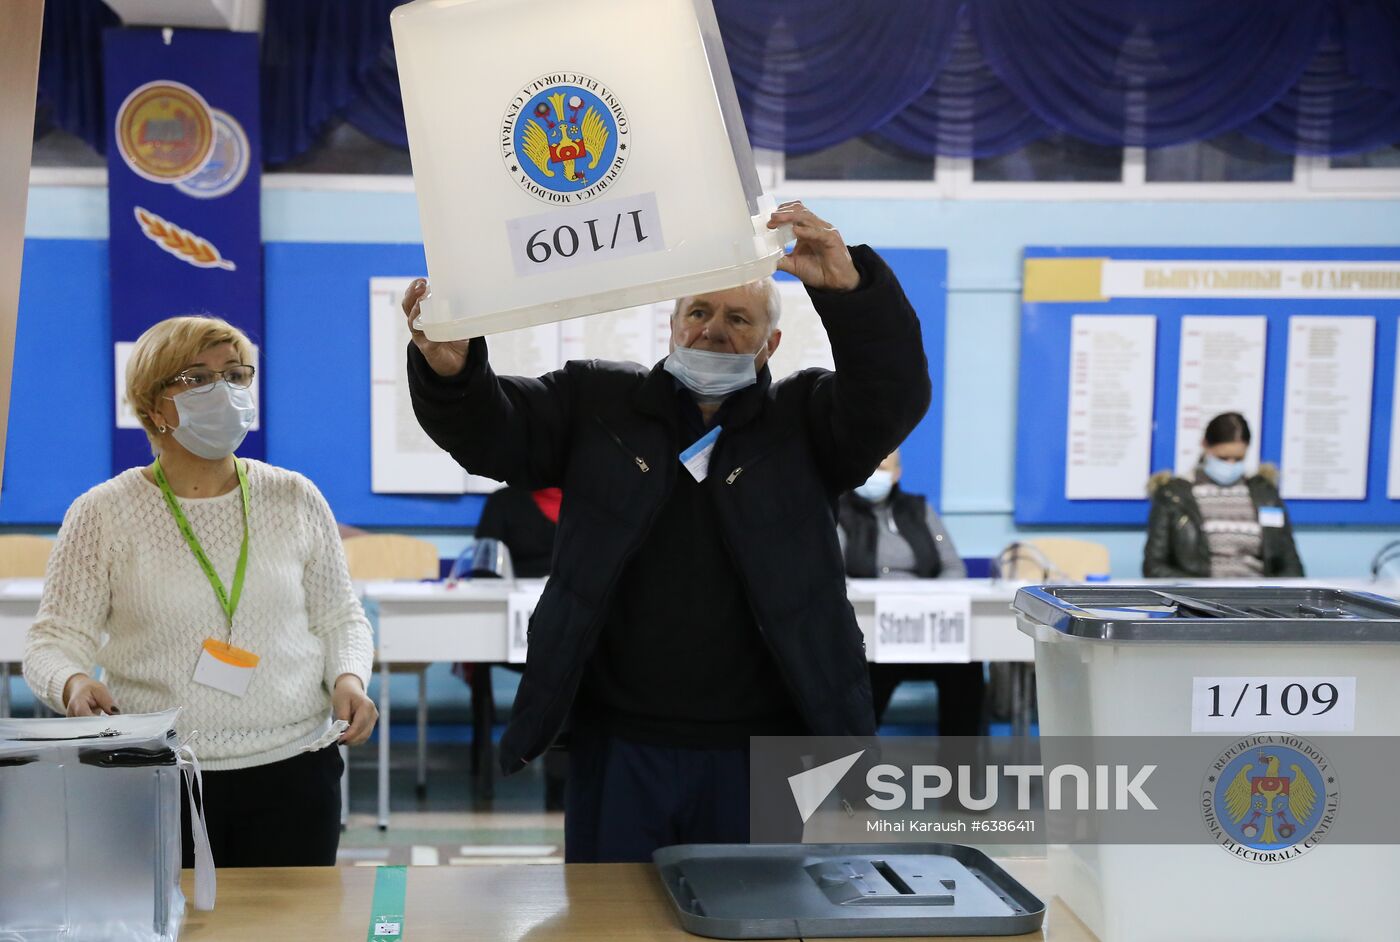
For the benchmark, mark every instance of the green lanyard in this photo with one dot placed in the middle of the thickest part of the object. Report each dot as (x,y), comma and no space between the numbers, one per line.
(228,603)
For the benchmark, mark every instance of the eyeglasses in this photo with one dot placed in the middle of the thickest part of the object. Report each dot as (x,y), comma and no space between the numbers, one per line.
(201,379)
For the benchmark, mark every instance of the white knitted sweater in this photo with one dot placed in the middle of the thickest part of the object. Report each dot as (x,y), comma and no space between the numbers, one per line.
(124,591)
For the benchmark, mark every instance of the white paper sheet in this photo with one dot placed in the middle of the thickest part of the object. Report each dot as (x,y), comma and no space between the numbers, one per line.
(1222,370)
(531,351)
(1327,407)
(804,342)
(632,335)
(404,459)
(1393,490)
(1112,366)
(923,628)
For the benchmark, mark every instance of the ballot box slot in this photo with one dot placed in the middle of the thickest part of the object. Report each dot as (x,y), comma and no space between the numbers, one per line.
(1279,614)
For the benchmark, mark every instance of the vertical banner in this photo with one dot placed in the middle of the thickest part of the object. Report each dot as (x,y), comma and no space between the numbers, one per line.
(19,72)
(184,182)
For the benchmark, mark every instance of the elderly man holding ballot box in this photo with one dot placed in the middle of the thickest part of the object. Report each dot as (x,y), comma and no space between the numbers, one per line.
(698,592)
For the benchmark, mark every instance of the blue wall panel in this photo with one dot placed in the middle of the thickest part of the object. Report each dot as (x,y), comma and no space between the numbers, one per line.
(61,407)
(317,358)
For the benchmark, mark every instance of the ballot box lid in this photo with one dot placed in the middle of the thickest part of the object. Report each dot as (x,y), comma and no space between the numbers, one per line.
(120,741)
(1273,614)
(762,891)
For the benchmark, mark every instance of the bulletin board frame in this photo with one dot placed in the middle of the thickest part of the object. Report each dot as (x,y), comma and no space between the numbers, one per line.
(1044,373)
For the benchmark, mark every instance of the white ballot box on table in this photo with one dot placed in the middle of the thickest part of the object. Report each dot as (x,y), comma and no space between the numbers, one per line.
(1262,668)
(90,830)
(575,158)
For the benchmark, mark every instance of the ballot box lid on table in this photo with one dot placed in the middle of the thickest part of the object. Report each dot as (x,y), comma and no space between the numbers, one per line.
(763,891)
(1264,614)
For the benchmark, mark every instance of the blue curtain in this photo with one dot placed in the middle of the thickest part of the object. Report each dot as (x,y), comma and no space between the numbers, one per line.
(70,67)
(1371,40)
(967,112)
(955,77)
(814,73)
(1329,112)
(323,60)
(378,109)
(1147,73)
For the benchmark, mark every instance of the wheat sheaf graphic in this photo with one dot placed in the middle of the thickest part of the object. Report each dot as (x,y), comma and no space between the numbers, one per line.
(181,243)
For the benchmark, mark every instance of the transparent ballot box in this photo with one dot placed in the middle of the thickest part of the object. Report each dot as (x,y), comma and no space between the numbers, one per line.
(1258,685)
(575,158)
(90,830)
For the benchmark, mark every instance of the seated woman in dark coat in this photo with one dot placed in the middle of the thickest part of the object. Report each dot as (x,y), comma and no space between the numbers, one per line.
(1220,523)
(889,533)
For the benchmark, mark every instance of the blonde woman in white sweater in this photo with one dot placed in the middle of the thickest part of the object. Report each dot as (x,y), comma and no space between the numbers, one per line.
(217,585)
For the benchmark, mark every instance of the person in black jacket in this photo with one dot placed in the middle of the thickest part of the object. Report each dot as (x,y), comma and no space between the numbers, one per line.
(1222,523)
(525,522)
(691,605)
(890,533)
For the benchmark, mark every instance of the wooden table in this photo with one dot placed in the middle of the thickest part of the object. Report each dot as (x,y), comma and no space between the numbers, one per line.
(584,902)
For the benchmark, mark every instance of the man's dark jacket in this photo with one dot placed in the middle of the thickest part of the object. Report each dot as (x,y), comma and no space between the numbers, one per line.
(607,434)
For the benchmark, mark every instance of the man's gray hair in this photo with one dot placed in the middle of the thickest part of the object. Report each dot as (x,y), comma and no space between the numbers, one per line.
(772,301)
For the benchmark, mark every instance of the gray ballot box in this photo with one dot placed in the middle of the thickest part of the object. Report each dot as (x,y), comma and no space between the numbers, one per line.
(90,829)
(1270,677)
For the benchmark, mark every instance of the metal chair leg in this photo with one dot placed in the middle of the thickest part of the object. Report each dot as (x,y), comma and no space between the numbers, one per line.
(422,732)
(344,788)
(487,775)
(383,747)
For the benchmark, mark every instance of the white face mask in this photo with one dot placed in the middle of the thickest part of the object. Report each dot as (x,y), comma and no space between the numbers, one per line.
(877,487)
(1222,472)
(213,421)
(711,375)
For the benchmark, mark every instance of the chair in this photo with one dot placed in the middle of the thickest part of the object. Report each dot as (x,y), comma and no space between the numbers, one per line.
(1050,559)
(1046,559)
(390,556)
(21,557)
(379,556)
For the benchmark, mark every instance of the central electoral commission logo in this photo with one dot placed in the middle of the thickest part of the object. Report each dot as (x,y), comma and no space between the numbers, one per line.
(564,138)
(1270,798)
(164,131)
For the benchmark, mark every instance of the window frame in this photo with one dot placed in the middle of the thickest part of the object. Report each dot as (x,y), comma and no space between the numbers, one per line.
(1313,179)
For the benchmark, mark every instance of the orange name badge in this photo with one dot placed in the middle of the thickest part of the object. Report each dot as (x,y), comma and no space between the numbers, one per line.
(225,668)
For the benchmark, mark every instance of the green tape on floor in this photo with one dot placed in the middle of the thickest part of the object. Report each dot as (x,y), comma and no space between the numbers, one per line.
(386,912)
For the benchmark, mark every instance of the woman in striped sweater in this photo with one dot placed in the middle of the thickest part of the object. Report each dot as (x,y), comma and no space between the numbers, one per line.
(1220,523)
